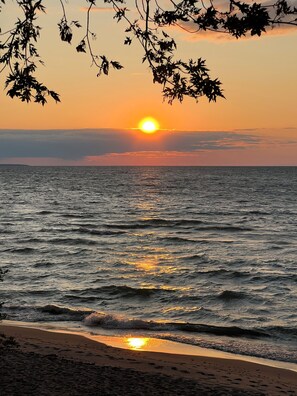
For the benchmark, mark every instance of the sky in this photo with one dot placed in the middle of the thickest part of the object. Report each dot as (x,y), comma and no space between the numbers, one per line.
(96,122)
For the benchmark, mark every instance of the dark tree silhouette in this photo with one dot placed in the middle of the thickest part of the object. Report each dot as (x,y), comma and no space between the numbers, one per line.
(19,55)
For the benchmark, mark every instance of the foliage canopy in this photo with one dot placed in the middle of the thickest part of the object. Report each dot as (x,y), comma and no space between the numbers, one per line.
(19,55)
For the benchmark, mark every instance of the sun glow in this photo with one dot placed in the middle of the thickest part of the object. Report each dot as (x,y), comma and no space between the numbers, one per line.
(137,343)
(148,125)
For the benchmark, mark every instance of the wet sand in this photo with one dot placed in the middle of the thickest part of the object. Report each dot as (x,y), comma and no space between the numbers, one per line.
(49,363)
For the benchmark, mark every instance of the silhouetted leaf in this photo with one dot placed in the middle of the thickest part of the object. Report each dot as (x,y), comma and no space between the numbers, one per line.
(65,31)
(128,41)
(76,24)
(116,65)
(81,46)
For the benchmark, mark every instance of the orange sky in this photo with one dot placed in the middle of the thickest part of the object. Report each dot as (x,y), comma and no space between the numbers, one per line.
(259,78)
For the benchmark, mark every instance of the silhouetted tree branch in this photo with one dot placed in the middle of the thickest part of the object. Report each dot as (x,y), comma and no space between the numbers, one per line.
(19,55)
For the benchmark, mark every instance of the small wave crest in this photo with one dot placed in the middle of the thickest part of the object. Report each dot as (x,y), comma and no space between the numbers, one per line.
(84,230)
(111,321)
(287,331)
(175,239)
(72,241)
(155,222)
(45,212)
(194,257)
(6,231)
(225,273)
(65,313)
(224,227)
(21,250)
(126,291)
(231,295)
(76,215)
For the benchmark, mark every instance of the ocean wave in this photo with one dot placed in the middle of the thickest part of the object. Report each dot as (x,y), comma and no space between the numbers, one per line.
(224,227)
(65,313)
(88,231)
(194,257)
(31,240)
(21,250)
(6,231)
(45,313)
(284,330)
(155,222)
(110,321)
(262,349)
(72,241)
(124,291)
(83,299)
(197,225)
(231,295)
(44,264)
(76,215)
(289,277)
(226,273)
(176,239)
(45,212)
(258,212)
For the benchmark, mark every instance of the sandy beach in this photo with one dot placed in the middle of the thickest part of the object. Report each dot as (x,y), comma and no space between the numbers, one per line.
(50,363)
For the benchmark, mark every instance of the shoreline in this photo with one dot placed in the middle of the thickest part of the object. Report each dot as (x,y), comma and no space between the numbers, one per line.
(154,345)
(205,374)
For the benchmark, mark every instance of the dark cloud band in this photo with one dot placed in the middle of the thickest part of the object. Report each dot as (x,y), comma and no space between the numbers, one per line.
(80,143)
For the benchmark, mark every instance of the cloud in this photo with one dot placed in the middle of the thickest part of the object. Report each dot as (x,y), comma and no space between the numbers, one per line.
(132,147)
(77,144)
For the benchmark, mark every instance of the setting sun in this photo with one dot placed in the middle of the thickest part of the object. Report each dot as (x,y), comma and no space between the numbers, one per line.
(148,125)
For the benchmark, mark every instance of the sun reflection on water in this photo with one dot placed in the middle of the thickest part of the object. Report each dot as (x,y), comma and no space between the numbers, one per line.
(136,343)
(158,260)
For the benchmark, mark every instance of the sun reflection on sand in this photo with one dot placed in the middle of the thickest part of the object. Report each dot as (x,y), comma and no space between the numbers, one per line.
(136,343)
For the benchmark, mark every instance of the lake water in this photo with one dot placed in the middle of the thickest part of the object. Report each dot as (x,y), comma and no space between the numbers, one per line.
(200,255)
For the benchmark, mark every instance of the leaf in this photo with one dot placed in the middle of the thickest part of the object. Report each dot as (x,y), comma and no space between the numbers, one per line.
(76,24)
(128,41)
(65,31)
(55,96)
(116,65)
(81,46)
(104,65)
